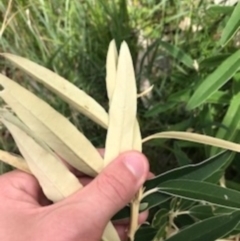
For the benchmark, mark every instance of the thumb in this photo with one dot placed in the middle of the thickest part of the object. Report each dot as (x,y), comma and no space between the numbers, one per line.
(116,185)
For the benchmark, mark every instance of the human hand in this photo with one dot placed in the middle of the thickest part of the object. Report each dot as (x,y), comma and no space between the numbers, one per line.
(26,214)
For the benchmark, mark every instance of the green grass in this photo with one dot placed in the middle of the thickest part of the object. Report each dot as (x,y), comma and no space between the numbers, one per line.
(72,37)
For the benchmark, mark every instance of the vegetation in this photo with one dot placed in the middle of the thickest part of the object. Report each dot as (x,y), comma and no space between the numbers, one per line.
(189,51)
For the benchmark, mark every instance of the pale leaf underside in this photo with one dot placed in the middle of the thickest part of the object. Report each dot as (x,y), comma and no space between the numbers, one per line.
(194,137)
(63,88)
(122,112)
(14,160)
(111,69)
(123,130)
(53,128)
(55,179)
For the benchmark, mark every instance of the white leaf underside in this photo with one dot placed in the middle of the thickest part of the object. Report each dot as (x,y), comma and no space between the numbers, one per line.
(53,128)
(63,88)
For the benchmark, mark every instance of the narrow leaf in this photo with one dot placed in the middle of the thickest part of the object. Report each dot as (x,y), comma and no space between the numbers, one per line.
(200,171)
(154,198)
(137,140)
(54,177)
(180,155)
(145,234)
(53,128)
(230,121)
(63,88)
(215,81)
(14,160)
(177,53)
(202,191)
(218,9)
(122,113)
(193,137)
(123,130)
(209,229)
(202,211)
(213,61)
(232,26)
(111,74)
(145,92)
(110,233)
(111,68)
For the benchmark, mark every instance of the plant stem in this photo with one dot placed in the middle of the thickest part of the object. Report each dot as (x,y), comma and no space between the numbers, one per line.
(135,204)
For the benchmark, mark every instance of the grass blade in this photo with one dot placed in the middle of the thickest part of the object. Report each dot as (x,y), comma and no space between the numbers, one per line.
(230,121)
(178,54)
(63,88)
(232,26)
(215,81)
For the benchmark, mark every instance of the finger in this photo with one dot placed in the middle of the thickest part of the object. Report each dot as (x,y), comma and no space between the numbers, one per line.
(114,187)
(122,231)
(141,219)
(101,151)
(85,180)
(22,187)
(150,175)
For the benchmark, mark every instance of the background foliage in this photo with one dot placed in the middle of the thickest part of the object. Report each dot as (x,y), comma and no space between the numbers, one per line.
(187,49)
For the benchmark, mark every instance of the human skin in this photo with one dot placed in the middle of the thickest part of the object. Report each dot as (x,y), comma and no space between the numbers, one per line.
(26,214)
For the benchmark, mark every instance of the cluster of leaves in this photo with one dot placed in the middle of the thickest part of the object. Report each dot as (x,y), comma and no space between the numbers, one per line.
(40,127)
(199,93)
(71,38)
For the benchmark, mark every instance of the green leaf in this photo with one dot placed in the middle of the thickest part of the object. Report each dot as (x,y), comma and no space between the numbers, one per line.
(232,26)
(213,61)
(200,171)
(155,198)
(181,204)
(208,230)
(201,211)
(202,191)
(230,121)
(160,108)
(145,234)
(160,222)
(122,214)
(219,97)
(178,54)
(180,96)
(160,217)
(215,80)
(181,156)
(220,9)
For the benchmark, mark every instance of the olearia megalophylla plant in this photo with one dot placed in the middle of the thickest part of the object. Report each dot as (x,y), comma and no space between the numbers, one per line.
(33,122)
